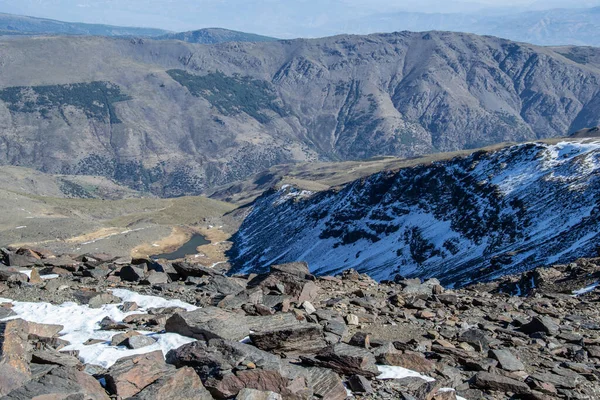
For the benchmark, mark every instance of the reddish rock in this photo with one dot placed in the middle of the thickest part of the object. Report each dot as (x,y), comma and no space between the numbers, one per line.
(132,374)
(14,355)
(409,361)
(181,384)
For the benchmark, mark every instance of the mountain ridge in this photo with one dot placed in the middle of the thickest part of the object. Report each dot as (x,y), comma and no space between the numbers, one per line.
(26,25)
(477,217)
(177,118)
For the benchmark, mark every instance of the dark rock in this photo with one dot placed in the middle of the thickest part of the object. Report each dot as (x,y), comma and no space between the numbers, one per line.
(476,338)
(60,383)
(360,339)
(51,356)
(306,338)
(359,384)
(9,274)
(205,361)
(487,381)
(185,270)
(540,324)
(346,360)
(120,338)
(107,324)
(223,285)
(132,273)
(407,360)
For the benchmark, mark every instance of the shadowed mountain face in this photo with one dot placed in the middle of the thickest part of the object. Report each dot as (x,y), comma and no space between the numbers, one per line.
(468,219)
(177,118)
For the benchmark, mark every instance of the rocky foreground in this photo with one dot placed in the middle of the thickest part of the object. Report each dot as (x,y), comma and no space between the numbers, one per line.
(287,334)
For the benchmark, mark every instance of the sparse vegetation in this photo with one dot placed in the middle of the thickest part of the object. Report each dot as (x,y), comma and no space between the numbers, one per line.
(96,99)
(232,95)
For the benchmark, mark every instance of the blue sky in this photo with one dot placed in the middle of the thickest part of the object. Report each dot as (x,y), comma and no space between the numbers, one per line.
(281,18)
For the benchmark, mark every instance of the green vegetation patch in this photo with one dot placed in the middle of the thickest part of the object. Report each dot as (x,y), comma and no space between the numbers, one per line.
(96,99)
(232,95)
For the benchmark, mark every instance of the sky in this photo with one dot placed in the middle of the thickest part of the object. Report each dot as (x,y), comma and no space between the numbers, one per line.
(280,18)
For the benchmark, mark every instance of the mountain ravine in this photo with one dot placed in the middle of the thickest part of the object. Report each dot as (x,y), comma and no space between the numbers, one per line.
(178,118)
(465,220)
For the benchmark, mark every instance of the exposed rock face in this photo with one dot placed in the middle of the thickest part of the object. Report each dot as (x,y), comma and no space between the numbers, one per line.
(339,98)
(469,219)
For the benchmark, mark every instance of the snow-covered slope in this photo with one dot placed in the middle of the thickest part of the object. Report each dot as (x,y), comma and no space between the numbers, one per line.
(462,220)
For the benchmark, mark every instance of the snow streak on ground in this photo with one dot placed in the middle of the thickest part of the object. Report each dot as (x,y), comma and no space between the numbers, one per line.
(82,323)
(586,289)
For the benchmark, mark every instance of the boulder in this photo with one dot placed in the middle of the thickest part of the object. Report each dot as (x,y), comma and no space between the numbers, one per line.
(507,360)
(326,384)
(185,270)
(132,273)
(14,355)
(208,323)
(346,360)
(306,338)
(410,361)
(487,381)
(540,324)
(155,278)
(139,341)
(9,274)
(53,357)
(44,330)
(180,384)
(129,375)
(359,384)
(476,338)
(60,383)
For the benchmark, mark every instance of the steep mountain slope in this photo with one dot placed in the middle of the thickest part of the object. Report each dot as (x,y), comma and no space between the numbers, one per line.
(22,25)
(177,118)
(468,219)
(215,35)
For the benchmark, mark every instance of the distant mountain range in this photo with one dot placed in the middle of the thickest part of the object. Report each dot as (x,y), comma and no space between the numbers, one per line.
(177,118)
(547,27)
(23,25)
(574,26)
(30,26)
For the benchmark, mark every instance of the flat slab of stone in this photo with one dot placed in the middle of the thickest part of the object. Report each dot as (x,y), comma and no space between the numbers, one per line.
(507,360)
(485,380)
(306,338)
(130,375)
(181,384)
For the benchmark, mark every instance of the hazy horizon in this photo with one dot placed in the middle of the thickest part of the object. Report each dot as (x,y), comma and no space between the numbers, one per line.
(279,18)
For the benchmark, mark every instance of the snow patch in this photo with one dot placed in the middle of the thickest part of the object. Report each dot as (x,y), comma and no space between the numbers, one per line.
(586,289)
(82,323)
(390,372)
